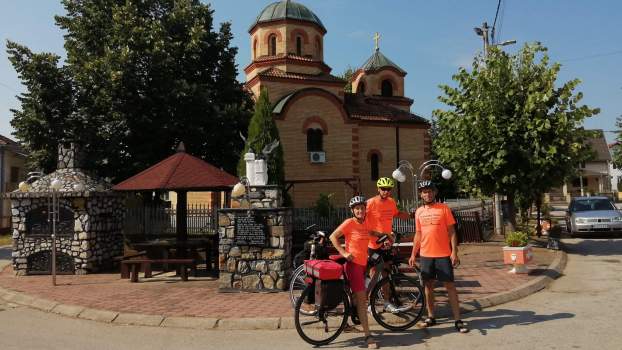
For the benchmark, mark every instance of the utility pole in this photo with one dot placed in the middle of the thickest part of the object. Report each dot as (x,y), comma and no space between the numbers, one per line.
(483,32)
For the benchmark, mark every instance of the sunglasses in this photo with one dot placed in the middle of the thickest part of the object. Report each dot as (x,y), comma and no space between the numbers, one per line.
(388,189)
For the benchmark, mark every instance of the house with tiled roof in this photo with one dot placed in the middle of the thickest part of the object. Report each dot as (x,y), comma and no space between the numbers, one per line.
(333,141)
(12,165)
(594,176)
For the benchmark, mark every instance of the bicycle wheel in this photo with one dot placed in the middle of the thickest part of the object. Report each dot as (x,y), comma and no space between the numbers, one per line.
(407,302)
(297,284)
(321,326)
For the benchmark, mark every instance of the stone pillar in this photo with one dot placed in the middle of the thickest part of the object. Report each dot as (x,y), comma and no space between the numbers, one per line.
(251,267)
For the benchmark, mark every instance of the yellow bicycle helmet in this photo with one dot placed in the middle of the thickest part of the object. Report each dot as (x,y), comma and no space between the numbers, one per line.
(386,182)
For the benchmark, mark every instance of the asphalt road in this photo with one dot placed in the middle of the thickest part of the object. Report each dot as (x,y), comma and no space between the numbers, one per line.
(578,311)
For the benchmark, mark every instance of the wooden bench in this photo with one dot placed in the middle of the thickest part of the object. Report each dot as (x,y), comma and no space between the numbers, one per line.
(125,272)
(134,266)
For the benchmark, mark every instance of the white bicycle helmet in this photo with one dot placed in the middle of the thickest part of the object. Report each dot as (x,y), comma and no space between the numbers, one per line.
(356,200)
(426,184)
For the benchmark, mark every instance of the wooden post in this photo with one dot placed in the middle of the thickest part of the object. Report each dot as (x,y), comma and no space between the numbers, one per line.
(181,217)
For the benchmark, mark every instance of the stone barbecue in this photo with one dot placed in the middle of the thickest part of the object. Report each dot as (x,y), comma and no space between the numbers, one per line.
(89,225)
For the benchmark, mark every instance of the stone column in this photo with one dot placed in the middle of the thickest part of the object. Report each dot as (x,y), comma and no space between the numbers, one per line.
(251,267)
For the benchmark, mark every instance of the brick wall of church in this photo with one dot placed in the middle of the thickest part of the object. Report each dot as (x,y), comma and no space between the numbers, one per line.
(280,89)
(373,82)
(414,147)
(337,145)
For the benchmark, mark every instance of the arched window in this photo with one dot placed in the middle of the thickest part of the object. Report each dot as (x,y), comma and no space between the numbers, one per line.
(255,49)
(318,47)
(374,160)
(315,140)
(299,45)
(386,88)
(361,88)
(272,45)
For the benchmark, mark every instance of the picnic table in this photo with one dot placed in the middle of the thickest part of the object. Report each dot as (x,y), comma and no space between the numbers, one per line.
(169,251)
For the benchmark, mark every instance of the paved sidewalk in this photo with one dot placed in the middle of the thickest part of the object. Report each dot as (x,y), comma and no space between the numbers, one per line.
(482,280)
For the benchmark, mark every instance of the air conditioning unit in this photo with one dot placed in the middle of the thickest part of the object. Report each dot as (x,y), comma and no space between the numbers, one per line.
(317,157)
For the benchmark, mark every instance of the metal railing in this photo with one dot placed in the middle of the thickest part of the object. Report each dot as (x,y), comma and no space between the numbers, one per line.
(157,221)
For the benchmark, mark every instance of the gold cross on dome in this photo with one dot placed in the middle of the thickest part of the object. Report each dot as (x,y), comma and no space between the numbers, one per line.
(377,40)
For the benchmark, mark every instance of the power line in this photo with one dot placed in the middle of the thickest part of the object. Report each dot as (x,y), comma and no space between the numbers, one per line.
(494,24)
(8,87)
(605,54)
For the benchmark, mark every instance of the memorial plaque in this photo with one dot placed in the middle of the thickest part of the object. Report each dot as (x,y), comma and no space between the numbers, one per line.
(250,230)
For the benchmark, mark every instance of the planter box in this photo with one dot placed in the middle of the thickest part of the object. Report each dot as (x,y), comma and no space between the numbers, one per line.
(518,256)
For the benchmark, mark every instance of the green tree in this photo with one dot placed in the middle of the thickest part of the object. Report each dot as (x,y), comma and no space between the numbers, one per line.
(144,76)
(347,76)
(262,131)
(46,114)
(510,128)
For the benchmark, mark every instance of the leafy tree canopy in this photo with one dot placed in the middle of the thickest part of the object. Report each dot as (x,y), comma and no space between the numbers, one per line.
(140,77)
(510,128)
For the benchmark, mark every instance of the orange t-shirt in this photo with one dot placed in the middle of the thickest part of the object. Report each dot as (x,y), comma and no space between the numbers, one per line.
(432,222)
(357,238)
(383,212)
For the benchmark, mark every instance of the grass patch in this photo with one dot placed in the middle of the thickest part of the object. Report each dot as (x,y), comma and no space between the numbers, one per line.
(6,240)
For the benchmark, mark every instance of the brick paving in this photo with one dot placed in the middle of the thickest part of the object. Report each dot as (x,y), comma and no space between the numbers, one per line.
(481,273)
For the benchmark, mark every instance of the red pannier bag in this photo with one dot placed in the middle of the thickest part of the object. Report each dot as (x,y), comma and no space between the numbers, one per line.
(325,270)
(328,293)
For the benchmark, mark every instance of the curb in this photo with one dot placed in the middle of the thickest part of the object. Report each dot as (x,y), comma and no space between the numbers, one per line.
(265,323)
(553,271)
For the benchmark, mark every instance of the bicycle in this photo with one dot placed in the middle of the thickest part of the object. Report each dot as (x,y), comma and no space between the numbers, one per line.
(315,248)
(405,293)
(325,323)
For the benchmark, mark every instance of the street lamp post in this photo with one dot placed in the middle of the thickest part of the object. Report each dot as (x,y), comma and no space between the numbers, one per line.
(399,175)
(55,185)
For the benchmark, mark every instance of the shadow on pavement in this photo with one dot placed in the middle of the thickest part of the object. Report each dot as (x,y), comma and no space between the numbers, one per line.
(594,247)
(5,253)
(499,318)
(480,324)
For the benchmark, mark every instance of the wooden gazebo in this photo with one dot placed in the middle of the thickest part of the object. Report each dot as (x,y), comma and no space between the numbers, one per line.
(180,173)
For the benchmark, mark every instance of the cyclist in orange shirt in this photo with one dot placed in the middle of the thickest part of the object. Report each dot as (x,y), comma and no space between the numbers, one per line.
(436,238)
(383,209)
(357,231)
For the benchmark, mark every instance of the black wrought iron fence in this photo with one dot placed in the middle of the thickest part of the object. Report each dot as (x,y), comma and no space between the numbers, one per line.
(473,219)
(158,221)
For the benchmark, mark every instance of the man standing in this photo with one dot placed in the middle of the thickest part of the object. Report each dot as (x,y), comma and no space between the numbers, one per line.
(436,238)
(383,208)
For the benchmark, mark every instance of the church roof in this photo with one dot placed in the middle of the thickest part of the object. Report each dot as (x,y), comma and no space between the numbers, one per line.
(378,61)
(278,73)
(373,108)
(360,107)
(179,171)
(287,10)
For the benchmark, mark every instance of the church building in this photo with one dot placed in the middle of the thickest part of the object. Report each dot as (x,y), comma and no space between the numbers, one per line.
(333,141)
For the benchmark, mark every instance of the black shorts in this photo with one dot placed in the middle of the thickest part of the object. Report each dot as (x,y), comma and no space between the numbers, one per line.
(384,253)
(439,269)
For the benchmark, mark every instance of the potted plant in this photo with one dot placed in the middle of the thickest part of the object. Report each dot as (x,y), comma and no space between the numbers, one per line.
(517,251)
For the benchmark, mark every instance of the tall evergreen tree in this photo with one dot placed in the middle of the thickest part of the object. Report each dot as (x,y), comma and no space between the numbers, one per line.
(262,131)
(46,115)
(144,75)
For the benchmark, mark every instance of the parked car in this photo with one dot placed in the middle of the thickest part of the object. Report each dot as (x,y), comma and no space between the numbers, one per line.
(590,215)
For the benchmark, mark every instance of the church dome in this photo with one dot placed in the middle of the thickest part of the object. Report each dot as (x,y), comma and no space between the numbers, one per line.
(378,61)
(287,10)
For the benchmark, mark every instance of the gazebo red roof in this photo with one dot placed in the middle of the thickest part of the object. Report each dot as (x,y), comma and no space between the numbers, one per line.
(180,171)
